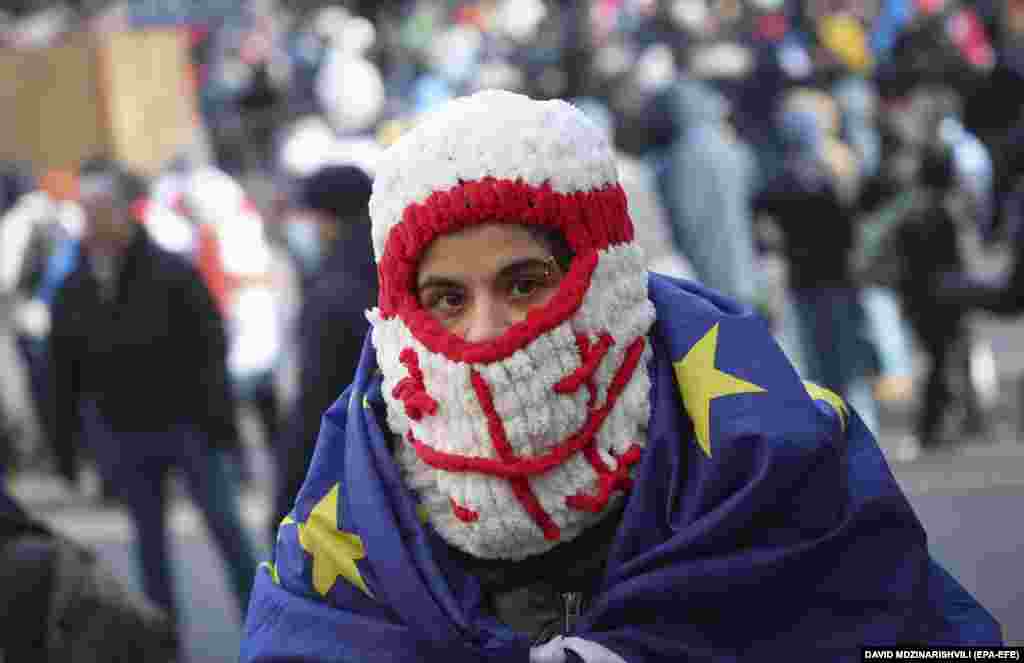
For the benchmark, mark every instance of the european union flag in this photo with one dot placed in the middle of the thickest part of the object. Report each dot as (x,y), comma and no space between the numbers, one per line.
(763,524)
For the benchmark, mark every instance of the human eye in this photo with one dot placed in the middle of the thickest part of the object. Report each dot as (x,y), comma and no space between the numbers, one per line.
(524,286)
(444,303)
(531,280)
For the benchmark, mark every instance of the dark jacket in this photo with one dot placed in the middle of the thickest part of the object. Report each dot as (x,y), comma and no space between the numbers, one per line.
(930,244)
(152,357)
(818,229)
(331,328)
(62,602)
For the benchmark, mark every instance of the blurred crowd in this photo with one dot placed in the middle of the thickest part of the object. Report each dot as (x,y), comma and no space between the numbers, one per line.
(857,145)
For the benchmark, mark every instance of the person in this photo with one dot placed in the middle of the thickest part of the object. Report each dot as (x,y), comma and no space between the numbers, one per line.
(138,369)
(717,190)
(62,602)
(929,243)
(230,226)
(330,328)
(818,229)
(37,240)
(548,454)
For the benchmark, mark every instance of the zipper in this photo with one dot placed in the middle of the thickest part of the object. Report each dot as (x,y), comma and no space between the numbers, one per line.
(572,609)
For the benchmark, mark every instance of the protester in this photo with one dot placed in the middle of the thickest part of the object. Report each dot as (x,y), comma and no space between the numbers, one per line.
(218,205)
(717,192)
(38,248)
(332,321)
(928,242)
(138,354)
(61,602)
(804,200)
(548,454)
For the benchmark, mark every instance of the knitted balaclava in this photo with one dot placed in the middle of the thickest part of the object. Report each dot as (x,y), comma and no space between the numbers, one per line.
(518,443)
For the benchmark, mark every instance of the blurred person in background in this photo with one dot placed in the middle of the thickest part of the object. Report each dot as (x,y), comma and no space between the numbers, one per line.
(217,204)
(15,181)
(332,322)
(1003,294)
(916,220)
(349,103)
(883,326)
(645,206)
(706,177)
(834,154)
(928,241)
(138,370)
(61,603)
(39,243)
(887,329)
(803,199)
(349,89)
(994,110)
(244,92)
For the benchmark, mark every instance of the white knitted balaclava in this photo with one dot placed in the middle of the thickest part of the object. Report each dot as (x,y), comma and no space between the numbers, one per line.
(518,443)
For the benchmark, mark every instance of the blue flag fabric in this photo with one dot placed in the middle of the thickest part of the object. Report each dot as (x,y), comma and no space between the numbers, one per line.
(763,523)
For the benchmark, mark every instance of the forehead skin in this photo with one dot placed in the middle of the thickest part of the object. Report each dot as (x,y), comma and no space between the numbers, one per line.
(479,252)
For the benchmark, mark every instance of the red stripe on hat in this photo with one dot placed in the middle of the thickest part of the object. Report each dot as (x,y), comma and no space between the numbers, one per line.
(589,221)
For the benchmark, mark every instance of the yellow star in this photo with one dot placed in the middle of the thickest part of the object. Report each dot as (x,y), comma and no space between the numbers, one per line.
(700,383)
(832,398)
(334,552)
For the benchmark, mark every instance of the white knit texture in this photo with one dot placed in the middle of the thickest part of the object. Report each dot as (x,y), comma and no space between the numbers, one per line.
(496,134)
(535,418)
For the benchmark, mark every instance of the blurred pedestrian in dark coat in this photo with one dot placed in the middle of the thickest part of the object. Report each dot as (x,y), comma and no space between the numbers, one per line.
(332,322)
(930,247)
(138,366)
(803,199)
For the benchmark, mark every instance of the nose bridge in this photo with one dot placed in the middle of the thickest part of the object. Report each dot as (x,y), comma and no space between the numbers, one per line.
(489,316)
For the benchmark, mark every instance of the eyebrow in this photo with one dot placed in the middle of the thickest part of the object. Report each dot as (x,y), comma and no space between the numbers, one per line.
(513,267)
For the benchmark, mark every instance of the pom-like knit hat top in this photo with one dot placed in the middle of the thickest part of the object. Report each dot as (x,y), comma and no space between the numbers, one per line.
(492,136)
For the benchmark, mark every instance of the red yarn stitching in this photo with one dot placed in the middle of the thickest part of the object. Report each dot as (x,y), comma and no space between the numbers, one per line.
(524,494)
(499,439)
(524,467)
(411,390)
(592,355)
(608,480)
(464,514)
